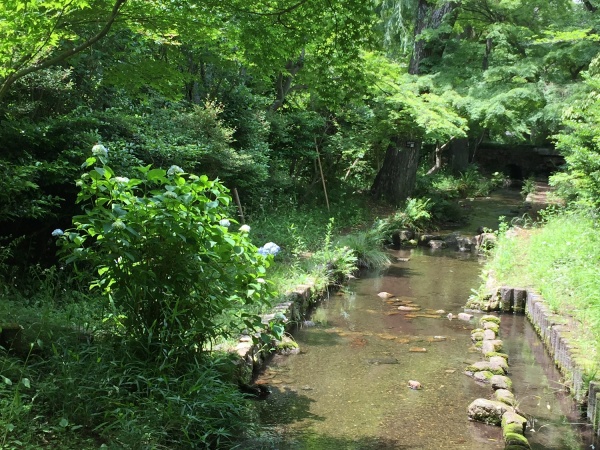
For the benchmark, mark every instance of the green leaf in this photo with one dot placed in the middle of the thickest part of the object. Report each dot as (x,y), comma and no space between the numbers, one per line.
(64,422)
(156,174)
(7,381)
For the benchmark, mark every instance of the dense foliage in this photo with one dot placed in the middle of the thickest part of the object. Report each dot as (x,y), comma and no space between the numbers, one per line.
(206,115)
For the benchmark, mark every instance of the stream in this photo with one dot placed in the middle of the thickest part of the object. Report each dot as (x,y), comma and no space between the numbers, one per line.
(348,387)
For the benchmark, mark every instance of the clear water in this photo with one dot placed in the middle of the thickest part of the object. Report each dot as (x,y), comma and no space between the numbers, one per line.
(348,388)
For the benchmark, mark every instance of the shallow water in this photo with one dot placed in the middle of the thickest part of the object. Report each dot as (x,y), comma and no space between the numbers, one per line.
(348,388)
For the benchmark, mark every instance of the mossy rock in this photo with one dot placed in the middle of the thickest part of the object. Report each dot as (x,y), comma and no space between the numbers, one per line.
(489,318)
(516,439)
(505,396)
(477,335)
(486,366)
(491,326)
(489,355)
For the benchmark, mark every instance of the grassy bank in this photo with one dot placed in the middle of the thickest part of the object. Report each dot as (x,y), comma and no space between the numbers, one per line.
(559,258)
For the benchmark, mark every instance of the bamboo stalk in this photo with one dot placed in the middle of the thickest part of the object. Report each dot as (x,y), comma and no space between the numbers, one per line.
(322,176)
(236,197)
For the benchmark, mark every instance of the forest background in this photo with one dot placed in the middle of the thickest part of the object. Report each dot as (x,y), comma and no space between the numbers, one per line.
(117,116)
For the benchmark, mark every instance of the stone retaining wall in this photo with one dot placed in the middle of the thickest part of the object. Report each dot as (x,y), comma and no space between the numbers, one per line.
(294,308)
(556,333)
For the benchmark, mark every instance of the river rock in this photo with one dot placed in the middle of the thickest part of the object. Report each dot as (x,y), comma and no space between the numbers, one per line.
(413,384)
(494,345)
(501,382)
(436,244)
(405,235)
(512,418)
(409,308)
(513,427)
(489,318)
(505,396)
(385,294)
(464,244)
(465,316)
(378,361)
(482,376)
(504,356)
(487,411)
(425,238)
(477,335)
(499,361)
(489,335)
(491,326)
(488,366)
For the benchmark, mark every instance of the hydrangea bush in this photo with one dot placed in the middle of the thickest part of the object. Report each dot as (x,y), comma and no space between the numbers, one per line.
(164,254)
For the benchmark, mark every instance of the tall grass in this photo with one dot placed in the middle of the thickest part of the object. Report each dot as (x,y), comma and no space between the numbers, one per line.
(561,260)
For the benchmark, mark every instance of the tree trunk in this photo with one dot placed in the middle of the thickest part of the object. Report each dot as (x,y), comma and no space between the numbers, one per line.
(460,155)
(589,6)
(284,82)
(429,16)
(395,180)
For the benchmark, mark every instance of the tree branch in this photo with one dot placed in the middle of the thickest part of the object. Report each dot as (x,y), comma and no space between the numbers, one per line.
(10,79)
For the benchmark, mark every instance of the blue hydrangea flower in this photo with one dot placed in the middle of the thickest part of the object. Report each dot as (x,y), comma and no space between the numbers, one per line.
(58,232)
(224,223)
(245,229)
(270,248)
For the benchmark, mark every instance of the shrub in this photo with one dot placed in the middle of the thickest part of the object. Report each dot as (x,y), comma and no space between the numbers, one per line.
(164,258)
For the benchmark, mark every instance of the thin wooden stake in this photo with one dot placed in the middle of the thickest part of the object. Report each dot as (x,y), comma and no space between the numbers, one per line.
(239,205)
(322,176)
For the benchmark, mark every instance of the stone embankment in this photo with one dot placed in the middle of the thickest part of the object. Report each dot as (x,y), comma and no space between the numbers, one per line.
(295,306)
(501,409)
(556,332)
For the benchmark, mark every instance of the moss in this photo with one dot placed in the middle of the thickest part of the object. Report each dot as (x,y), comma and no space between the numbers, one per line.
(516,439)
(489,318)
(489,355)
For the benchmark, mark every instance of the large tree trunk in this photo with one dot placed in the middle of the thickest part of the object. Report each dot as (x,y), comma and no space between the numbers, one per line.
(395,180)
(429,16)
(460,155)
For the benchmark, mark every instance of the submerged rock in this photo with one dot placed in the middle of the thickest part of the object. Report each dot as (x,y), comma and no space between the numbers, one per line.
(409,308)
(465,316)
(487,411)
(385,294)
(413,384)
(382,361)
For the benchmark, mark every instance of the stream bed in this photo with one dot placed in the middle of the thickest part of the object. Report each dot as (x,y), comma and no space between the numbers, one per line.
(348,387)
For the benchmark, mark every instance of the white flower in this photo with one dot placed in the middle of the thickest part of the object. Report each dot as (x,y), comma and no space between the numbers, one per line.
(58,232)
(99,150)
(245,229)
(174,170)
(224,223)
(121,179)
(260,280)
(170,194)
